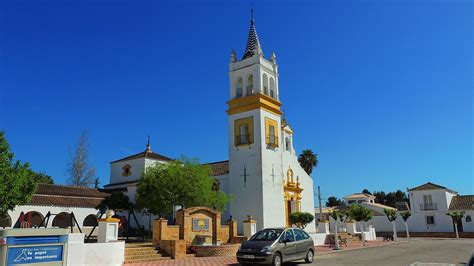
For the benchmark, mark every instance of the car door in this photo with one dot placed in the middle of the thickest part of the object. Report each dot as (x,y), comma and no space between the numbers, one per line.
(301,243)
(289,246)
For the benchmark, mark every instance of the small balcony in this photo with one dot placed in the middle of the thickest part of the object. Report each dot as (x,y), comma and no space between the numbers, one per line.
(428,207)
(242,140)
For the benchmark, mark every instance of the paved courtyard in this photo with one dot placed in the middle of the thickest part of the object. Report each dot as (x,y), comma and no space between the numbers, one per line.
(418,251)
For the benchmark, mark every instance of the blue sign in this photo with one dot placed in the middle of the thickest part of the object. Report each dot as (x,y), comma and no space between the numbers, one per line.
(38,254)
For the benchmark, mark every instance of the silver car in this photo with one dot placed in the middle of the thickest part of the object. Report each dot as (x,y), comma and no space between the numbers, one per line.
(275,246)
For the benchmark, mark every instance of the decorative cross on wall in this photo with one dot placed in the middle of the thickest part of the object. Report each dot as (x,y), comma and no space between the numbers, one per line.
(245,176)
(273,176)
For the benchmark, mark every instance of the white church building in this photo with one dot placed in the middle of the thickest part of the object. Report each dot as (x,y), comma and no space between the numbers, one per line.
(262,173)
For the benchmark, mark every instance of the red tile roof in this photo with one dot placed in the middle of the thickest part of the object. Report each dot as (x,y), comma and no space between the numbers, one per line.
(67,196)
(145,154)
(219,168)
(462,203)
(430,186)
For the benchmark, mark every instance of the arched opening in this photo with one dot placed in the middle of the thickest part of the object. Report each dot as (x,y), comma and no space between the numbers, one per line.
(265,84)
(90,220)
(62,220)
(6,221)
(239,85)
(250,85)
(33,218)
(272,88)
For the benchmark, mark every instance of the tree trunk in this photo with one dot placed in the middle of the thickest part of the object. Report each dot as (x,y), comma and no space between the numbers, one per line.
(362,232)
(406,228)
(456,229)
(336,240)
(395,237)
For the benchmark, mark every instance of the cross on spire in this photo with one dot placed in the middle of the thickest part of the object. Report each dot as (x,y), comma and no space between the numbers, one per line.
(253,44)
(148,146)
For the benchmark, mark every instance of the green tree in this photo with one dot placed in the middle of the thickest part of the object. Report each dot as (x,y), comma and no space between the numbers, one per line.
(333,201)
(117,201)
(337,216)
(457,217)
(308,160)
(405,215)
(360,214)
(41,178)
(16,184)
(301,219)
(392,217)
(366,191)
(184,182)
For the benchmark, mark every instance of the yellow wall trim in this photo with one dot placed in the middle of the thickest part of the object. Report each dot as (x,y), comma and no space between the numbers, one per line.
(270,122)
(253,102)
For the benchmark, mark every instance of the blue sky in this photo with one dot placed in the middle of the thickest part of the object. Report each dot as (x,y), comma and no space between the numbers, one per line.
(381,90)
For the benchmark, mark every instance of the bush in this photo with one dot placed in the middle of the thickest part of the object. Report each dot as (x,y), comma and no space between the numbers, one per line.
(301,219)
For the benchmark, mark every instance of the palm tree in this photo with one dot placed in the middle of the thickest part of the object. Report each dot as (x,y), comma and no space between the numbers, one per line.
(308,160)
(392,217)
(405,215)
(360,213)
(457,217)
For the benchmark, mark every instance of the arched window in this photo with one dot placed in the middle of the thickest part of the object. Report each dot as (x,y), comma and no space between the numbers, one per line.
(62,220)
(272,88)
(33,218)
(216,186)
(265,84)
(239,85)
(288,143)
(250,85)
(6,221)
(90,220)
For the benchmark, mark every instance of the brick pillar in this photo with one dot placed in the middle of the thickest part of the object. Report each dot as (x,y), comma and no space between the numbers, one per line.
(232,228)
(217,227)
(159,230)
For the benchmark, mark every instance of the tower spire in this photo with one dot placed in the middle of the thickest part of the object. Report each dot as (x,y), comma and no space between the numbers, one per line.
(253,44)
(148,146)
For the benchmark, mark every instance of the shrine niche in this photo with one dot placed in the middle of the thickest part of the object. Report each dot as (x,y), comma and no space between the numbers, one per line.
(292,194)
(127,170)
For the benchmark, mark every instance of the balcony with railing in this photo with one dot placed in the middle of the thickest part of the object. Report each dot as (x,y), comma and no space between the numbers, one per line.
(428,206)
(272,140)
(243,139)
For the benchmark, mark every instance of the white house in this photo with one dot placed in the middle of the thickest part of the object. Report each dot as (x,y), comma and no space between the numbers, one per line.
(429,204)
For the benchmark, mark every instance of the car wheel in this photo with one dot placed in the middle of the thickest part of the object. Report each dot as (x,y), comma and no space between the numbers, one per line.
(309,256)
(277,259)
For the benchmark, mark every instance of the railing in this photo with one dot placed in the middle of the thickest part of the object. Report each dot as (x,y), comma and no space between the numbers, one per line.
(238,92)
(242,139)
(249,90)
(272,140)
(428,207)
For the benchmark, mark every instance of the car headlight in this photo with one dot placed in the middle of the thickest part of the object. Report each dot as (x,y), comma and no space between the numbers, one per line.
(266,249)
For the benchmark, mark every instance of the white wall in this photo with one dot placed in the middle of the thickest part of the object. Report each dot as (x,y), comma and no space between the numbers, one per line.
(138,165)
(80,253)
(79,213)
(468,226)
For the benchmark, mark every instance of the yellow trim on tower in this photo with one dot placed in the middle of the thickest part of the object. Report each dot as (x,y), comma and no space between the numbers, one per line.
(253,102)
(243,121)
(270,122)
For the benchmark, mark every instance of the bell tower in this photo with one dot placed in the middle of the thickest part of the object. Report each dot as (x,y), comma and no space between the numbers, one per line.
(255,138)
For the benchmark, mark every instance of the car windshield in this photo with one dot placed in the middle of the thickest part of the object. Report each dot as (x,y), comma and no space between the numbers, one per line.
(267,235)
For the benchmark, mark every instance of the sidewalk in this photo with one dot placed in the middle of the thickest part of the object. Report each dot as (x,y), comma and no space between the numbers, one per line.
(231,260)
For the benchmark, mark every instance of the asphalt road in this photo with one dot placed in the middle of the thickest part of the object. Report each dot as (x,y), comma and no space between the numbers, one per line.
(421,251)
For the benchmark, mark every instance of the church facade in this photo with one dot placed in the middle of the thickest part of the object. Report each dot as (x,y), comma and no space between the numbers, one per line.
(262,173)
